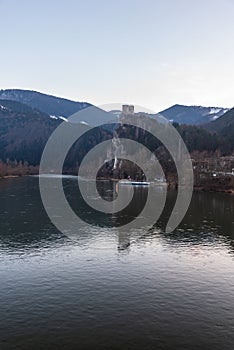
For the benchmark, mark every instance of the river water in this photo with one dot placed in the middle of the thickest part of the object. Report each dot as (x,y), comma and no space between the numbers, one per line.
(106,290)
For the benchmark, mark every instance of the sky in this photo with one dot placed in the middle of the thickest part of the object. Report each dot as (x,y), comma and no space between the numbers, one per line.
(153,53)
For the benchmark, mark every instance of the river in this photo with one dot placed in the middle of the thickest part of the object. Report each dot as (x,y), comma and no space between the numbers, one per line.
(106,290)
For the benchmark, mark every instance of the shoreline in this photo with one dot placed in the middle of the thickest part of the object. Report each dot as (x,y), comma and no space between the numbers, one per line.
(196,188)
(10,176)
(214,190)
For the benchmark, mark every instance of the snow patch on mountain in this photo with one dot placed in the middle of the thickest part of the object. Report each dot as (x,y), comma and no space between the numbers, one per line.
(214,110)
(58,117)
(63,118)
(216,113)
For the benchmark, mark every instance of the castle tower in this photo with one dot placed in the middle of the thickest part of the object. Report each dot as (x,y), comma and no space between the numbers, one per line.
(127,109)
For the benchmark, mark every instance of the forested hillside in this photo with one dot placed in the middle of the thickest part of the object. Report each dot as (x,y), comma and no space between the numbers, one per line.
(224,127)
(52,105)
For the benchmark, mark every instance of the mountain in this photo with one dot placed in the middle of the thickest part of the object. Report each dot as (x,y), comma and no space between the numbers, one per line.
(23,131)
(193,115)
(224,127)
(61,107)
(52,105)
(223,123)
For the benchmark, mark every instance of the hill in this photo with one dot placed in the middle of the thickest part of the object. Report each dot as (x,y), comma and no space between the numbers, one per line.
(224,126)
(52,105)
(224,122)
(193,115)
(23,131)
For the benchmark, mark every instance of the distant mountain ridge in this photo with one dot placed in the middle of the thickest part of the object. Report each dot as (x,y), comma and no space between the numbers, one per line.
(193,115)
(61,107)
(52,105)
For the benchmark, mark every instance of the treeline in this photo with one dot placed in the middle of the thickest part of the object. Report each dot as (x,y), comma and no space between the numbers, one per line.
(199,139)
(14,168)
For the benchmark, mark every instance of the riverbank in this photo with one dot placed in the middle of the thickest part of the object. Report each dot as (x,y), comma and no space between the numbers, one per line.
(208,187)
(9,176)
(213,190)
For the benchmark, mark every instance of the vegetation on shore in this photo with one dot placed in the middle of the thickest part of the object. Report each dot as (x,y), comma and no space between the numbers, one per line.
(14,168)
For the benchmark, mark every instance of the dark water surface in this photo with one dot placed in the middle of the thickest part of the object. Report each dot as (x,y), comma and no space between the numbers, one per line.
(104,290)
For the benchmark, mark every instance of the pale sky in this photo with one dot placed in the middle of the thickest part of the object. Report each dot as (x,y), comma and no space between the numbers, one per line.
(152,53)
